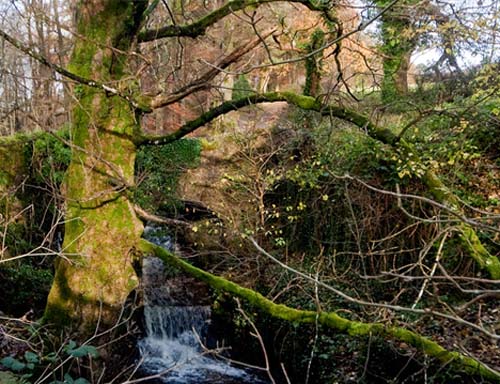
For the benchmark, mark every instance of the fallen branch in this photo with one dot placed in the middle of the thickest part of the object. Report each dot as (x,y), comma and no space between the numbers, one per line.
(329,319)
(158,219)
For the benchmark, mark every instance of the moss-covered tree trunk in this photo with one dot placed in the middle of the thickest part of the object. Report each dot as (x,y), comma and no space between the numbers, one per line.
(313,64)
(101,228)
(12,174)
(397,47)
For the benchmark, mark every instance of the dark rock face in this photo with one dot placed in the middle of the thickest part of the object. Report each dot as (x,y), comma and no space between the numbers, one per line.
(180,290)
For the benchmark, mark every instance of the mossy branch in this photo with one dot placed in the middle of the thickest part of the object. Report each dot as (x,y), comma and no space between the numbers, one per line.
(441,193)
(200,26)
(329,319)
(468,235)
(300,101)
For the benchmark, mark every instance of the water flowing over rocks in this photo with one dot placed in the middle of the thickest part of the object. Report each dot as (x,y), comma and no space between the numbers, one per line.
(176,323)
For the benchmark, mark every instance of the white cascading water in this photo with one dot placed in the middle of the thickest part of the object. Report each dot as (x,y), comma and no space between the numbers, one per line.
(174,332)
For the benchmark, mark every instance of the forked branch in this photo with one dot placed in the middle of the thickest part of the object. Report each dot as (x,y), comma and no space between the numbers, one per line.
(202,82)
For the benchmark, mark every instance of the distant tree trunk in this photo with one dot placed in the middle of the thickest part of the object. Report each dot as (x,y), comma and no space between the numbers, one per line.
(398,45)
(101,227)
(313,64)
(61,47)
(401,75)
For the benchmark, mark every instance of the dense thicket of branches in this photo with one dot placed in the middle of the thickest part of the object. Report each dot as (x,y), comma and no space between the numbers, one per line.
(369,202)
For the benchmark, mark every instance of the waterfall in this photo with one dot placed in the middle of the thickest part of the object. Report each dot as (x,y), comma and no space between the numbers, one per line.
(175,326)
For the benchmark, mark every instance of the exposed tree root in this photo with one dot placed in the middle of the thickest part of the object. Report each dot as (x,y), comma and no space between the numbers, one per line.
(329,319)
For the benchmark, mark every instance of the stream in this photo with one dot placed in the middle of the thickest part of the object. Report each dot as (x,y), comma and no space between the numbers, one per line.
(176,326)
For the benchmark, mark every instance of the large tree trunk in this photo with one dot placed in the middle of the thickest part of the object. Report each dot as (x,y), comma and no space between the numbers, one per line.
(101,227)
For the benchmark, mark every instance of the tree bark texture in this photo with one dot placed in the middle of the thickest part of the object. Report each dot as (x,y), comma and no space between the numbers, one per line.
(101,228)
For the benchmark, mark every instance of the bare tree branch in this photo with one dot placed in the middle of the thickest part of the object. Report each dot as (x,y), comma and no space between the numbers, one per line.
(202,82)
(199,27)
(362,302)
(64,72)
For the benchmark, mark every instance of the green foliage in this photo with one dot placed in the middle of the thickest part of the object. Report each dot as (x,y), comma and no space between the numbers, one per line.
(25,282)
(12,364)
(455,146)
(31,364)
(21,368)
(84,350)
(158,170)
(306,200)
(242,88)
(24,286)
(11,378)
(16,238)
(49,158)
(46,159)
(483,127)
(68,379)
(15,365)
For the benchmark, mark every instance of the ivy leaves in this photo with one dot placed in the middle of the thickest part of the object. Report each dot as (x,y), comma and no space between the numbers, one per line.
(26,366)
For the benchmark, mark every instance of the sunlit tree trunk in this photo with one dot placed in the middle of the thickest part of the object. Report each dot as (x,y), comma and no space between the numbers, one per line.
(101,228)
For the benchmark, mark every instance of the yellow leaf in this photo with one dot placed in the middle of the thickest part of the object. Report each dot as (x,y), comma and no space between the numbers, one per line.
(208,145)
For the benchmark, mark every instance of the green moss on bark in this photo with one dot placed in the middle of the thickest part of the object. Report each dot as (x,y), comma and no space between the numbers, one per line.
(398,44)
(330,319)
(313,64)
(101,227)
